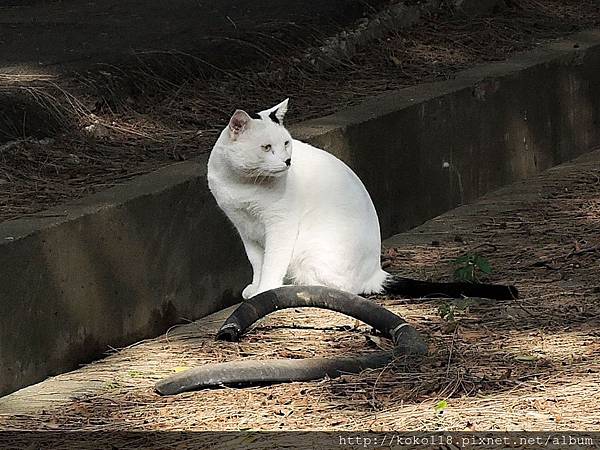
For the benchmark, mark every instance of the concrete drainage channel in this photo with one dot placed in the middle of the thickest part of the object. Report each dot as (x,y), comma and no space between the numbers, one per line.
(126,263)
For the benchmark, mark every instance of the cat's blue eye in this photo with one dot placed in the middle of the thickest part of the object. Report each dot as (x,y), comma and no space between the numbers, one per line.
(267,147)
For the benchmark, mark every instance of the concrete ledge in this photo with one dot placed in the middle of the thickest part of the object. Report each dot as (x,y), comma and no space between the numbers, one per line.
(128,262)
(118,267)
(492,125)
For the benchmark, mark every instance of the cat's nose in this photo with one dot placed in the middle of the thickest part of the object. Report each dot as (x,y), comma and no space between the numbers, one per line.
(288,162)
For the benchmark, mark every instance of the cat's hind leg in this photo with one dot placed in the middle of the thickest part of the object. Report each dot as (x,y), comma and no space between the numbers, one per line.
(308,270)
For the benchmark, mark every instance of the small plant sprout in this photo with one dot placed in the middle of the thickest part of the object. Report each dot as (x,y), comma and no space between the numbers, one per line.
(441,406)
(447,310)
(468,267)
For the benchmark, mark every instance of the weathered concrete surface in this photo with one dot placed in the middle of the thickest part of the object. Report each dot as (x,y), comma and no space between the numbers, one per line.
(492,125)
(58,391)
(128,262)
(121,266)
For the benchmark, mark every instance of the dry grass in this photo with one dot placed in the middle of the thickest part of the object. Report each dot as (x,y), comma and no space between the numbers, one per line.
(529,364)
(142,120)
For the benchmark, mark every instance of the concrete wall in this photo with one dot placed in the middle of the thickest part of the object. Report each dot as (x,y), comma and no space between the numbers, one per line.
(493,124)
(120,266)
(128,262)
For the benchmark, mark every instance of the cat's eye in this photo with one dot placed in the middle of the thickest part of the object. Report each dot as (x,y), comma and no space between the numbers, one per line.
(286,143)
(267,147)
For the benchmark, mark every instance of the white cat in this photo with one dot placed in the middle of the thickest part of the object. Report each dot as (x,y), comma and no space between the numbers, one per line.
(303,215)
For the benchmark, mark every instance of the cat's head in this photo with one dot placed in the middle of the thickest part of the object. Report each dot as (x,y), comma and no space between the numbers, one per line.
(257,144)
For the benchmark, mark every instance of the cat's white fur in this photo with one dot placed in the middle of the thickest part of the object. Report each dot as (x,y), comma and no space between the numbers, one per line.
(309,223)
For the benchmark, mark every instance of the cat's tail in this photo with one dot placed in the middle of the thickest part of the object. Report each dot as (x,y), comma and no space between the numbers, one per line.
(407,287)
(406,339)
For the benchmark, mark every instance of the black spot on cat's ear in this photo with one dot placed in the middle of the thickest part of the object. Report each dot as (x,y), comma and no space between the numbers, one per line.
(276,113)
(274,117)
(255,115)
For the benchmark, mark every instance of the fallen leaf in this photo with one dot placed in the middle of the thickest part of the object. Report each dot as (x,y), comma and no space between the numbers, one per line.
(396,61)
(526,358)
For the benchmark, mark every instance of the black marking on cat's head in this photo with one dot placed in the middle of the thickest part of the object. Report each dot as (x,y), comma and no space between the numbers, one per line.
(274,117)
(255,115)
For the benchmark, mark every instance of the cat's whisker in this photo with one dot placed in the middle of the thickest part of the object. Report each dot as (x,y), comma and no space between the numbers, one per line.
(258,173)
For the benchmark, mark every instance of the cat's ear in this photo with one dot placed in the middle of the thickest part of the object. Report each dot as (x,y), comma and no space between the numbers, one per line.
(239,122)
(277,113)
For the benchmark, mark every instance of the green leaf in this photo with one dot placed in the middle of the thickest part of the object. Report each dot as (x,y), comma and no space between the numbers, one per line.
(464,273)
(112,385)
(441,406)
(135,374)
(468,266)
(483,265)
(462,259)
(446,311)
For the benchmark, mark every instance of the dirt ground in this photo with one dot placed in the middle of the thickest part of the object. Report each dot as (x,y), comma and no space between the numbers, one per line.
(526,364)
(54,35)
(90,130)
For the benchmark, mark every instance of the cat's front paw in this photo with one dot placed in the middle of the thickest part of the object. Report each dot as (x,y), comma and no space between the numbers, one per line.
(249,291)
